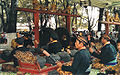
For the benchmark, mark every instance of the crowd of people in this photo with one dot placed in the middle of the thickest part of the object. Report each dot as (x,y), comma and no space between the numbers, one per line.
(59,40)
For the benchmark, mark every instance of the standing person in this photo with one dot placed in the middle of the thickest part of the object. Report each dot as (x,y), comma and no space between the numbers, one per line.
(20,47)
(108,52)
(81,60)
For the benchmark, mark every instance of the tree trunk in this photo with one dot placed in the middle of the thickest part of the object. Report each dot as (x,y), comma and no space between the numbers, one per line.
(46,2)
(89,27)
(13,17)
(2,18)
(73,13)
(66,16)
(59,21)
(7,10)
(56,17)
(41,17)
(100,18)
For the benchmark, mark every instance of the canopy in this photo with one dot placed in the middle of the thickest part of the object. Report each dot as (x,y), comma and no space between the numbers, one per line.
(101,3)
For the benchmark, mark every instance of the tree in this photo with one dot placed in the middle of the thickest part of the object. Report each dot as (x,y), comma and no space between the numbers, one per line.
(12,17)
(2,17)
(100,18)
(5,6)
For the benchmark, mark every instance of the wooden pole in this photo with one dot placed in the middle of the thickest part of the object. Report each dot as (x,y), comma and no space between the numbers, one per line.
(107,24)
(107,28)
(68,23)
(36,30)
(45,12)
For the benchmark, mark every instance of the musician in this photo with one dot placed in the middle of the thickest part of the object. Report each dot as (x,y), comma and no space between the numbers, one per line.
(54,46)
(81,60)
(63,36)
(108,52)
(20,47)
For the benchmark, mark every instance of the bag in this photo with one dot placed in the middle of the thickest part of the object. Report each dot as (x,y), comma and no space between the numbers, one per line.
(5,55)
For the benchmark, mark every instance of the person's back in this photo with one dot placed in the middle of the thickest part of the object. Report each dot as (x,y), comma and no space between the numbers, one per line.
(28,42)
(108,53)
(83,57)
(54,47)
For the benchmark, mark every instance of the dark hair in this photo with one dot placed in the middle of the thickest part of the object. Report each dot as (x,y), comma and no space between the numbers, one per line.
(44,35)
(20,41)
(61,31)
(82,40)
(118,41)
(54,36)
(105,36)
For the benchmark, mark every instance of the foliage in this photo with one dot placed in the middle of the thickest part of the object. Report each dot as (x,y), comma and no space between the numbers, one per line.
(22,16)
(76,8)
(61,4)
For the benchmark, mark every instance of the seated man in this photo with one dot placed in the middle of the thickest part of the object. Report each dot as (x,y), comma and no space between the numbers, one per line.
(81,60)
(20,47)
(54,46)
(108,52)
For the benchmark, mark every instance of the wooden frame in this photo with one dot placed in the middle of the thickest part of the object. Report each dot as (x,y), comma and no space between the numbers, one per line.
(36,19)
(107,24)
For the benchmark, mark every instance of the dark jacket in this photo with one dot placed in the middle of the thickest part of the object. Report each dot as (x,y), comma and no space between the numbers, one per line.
(108,53)
(28,42)
(54,47)
(23,49)
(80,63)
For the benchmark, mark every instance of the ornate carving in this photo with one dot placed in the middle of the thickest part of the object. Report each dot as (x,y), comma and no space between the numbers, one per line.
(112,18)
(52,8)
(67,10)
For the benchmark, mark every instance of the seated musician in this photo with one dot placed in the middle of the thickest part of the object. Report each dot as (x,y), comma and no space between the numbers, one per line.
(81,60)
(20,47)
(54,46)
(108,55)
